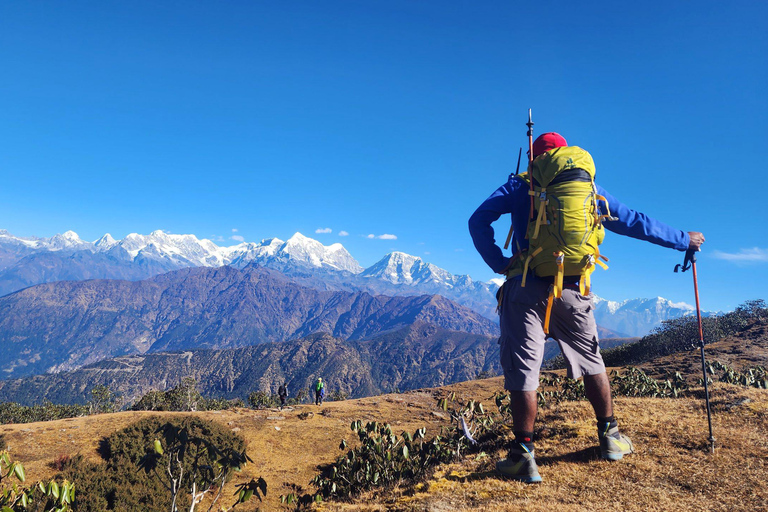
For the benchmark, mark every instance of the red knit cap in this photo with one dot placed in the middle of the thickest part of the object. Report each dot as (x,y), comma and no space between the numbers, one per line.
(547,141)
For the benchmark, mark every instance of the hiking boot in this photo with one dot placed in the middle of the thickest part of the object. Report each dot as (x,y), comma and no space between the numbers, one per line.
(520,465)
(614,445)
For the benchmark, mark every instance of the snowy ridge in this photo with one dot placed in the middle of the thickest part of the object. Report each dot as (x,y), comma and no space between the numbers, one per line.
(179,251)
(401,268)
(637,317)
(329,267)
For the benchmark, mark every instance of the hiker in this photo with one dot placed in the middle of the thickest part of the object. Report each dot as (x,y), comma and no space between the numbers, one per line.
(282,392)
(319,391)
(543,296)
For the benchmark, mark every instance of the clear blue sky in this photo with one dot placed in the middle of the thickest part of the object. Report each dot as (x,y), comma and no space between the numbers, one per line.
(387,117)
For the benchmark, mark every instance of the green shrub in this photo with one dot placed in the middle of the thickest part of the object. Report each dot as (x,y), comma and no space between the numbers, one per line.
(679,335)
(755,377)
(383,458)
(103,400)
(183,397)
(263,400)
(337,396)
(11,412)
(133,475)
(54,496)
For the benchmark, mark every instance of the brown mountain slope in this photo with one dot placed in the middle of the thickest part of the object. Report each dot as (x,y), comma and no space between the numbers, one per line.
(64,325)
(748,349)
(421,355)
(671,470)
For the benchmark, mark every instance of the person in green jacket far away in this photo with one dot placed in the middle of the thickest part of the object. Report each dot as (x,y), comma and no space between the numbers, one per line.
(319,391)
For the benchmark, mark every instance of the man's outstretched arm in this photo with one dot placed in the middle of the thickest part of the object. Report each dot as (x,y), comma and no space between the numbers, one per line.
(639,225)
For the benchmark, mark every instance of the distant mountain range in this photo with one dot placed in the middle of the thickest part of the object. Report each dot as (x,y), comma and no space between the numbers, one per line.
(419,355)
(636,317)
(28,261)
(64,325)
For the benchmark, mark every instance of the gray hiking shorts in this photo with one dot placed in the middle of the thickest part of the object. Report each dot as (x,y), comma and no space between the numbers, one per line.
(572,325)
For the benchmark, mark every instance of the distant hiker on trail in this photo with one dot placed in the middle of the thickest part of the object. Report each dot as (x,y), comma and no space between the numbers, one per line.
(319,391)
(557,226)
(282,392)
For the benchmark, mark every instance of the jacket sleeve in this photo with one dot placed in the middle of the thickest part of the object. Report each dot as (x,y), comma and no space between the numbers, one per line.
(499,203)
(638,225)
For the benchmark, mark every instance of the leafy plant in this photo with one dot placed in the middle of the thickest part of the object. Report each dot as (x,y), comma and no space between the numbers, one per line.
(205,450)
(337,396)
(103,400)
(183,397)
(383,459)
(11,412)
(755,377)
(184,459)
(50,497)
(263,400)
(635,382)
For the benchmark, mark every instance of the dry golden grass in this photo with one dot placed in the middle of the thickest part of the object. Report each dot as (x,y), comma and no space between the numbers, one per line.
(672,469)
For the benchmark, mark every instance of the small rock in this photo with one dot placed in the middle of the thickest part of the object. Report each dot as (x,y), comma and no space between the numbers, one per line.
(306,415)
(439,415)
(277,428)
(236,429)
(275,417)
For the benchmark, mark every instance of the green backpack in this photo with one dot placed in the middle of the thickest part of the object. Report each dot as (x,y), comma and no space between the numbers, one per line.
(566,228)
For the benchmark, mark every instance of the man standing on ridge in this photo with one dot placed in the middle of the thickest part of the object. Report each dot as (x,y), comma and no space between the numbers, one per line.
(530,312)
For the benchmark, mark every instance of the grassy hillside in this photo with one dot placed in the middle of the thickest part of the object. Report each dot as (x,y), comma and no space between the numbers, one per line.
(672,469)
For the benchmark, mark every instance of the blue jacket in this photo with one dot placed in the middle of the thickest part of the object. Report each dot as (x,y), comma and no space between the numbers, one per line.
(513,198)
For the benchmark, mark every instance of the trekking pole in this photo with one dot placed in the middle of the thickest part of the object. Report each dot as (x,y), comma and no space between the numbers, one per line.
(511,228)
(690,262)
(529,124)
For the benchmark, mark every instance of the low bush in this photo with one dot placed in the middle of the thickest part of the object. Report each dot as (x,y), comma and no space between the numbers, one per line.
(383,459)
(679,335)
(134,477)
(263,400)
(755,377)
(183,397)
(15,496)
(11,412)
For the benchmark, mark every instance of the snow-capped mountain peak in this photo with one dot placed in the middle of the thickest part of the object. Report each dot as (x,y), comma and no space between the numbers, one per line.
(105,242)
(66,240)
(401,268)
(637,317)
(308,251)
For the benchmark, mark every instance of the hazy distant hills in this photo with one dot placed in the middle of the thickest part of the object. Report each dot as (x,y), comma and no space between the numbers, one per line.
(63,325)
(419,355)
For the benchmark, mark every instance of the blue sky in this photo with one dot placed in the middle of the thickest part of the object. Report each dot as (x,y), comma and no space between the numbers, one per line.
(394,117)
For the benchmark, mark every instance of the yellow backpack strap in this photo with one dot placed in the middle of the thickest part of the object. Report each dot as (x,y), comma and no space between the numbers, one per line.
(599,257)
(558,288)
(607,209)
(585,283)
(527,262)
(541,218)
(548,314)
